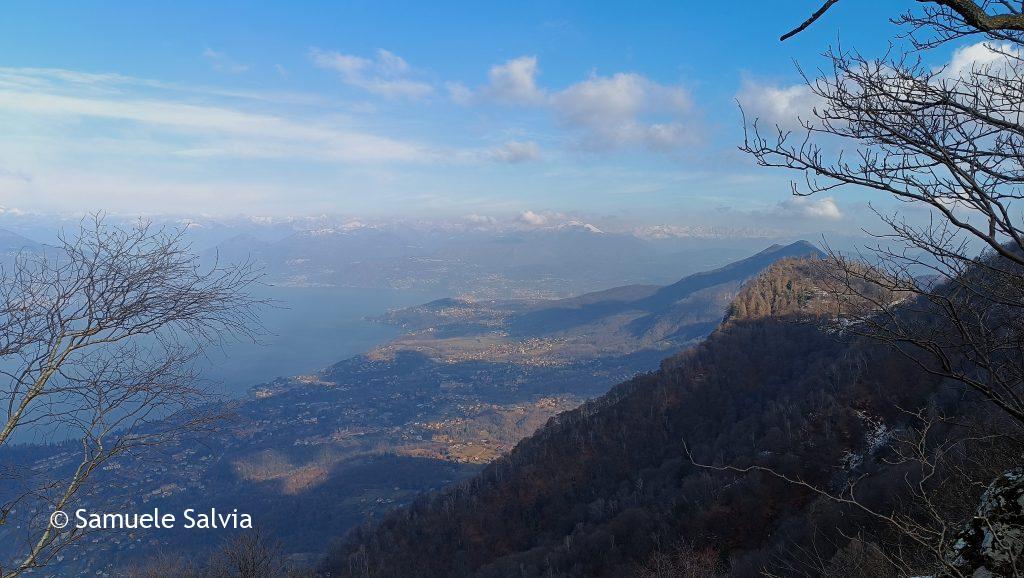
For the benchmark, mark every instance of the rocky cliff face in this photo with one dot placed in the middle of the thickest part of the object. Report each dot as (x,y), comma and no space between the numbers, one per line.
(992,542)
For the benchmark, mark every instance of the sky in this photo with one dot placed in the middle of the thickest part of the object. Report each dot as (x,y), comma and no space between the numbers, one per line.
(621,109)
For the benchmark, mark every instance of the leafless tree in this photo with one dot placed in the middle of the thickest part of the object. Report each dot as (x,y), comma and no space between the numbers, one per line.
(683,561)
(99,342)
(164,564)
(945,463)
(250,554)
(950,142)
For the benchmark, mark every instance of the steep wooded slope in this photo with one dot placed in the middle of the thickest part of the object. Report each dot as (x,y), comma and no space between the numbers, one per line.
(602,488)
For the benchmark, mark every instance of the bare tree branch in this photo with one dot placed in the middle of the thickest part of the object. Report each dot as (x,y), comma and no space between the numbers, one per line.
(803,26)
(99,342)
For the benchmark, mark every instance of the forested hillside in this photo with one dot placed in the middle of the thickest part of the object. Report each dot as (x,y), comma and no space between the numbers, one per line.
(614,487)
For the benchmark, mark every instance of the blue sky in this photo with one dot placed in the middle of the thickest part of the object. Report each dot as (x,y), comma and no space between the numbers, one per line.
(615,109)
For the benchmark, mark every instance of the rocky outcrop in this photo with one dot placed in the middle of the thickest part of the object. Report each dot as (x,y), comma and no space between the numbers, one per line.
(992,543)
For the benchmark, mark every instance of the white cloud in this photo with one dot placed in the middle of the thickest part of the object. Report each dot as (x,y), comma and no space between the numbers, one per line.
(57,80)
(532,218)
(481,219)
(515,82)
(783,106)
(603,112)
(220,61)
(625,109)
(459,93)
(391,64)
(387,74)
(14,176)
(181,127)
(515,152)
(824,208)
(221,131)
(979,56)
(74,189)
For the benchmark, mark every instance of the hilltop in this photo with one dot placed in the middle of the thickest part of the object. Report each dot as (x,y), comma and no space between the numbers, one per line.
(613,488)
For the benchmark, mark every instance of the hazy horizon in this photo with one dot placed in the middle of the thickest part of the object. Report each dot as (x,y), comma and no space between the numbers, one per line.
(356,109)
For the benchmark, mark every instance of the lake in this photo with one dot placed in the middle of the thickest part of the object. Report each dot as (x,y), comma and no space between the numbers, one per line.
(309,329)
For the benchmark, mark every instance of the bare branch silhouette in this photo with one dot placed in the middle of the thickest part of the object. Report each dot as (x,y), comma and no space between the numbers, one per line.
(99,342)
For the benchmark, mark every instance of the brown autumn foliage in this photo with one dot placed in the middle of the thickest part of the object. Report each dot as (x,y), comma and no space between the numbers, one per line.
(610,488)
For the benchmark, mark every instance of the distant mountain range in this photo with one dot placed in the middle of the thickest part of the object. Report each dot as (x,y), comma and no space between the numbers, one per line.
(529,263)
(11,244)
(477,256)
(10,241)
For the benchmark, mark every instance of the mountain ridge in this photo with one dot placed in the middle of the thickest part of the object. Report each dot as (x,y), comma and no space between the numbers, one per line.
(657,303)
(600,489)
